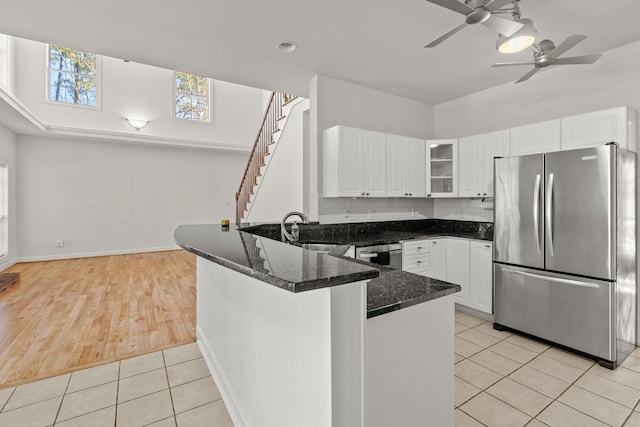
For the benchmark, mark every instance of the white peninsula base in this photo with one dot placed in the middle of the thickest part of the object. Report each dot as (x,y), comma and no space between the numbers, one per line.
(313,358)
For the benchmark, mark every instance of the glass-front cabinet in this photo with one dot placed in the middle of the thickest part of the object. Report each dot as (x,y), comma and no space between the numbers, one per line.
(442,168)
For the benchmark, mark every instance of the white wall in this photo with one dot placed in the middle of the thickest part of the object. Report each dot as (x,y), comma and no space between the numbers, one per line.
(140,91)
(281,187)
(103,197)
(340,103)
(8,157)
(560,91)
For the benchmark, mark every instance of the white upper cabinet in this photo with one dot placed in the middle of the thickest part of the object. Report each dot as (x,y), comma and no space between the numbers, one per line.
(537,138)
(375,164)
(442,168)
(598,128)
(354,163)
(405,166)
(476,162)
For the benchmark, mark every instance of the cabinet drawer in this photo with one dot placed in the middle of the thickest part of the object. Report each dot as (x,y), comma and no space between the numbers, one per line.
(418,247)
(415,261)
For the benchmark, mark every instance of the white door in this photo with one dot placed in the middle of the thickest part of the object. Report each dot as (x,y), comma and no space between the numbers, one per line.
(439,259)
(352,162)
(537,138)
(415,178)
(470,166)
(375,164)
(495,144)
(458,267)
(595,129)
(480,276)
(395,166)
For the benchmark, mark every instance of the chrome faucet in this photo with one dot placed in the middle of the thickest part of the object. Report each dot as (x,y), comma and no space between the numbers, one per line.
(295,230)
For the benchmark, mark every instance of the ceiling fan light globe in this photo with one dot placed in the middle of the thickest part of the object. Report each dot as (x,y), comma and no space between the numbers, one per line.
(515,44)
(519,41)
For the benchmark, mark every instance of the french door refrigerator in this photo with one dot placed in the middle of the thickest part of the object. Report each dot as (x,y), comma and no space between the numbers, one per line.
(565,249)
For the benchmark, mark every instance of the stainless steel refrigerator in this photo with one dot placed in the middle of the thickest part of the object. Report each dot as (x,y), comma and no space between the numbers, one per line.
(565,249)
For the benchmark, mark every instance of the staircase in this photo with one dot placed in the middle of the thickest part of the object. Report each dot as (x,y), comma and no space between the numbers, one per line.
(272,124)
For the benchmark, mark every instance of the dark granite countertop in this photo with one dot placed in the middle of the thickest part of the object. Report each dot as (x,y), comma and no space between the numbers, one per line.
(262,256)
(273,262)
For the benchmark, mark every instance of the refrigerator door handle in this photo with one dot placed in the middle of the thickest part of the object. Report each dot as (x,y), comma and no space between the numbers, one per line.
(549,213)
(554,279)
(536,210)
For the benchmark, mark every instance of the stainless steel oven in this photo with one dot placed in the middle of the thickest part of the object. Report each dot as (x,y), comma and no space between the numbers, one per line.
(388,254)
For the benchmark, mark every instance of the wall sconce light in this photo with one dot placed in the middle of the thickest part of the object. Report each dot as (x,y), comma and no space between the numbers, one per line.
(137,124)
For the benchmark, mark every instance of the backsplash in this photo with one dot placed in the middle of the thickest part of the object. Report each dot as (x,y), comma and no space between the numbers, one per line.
(340,210)
(464,209)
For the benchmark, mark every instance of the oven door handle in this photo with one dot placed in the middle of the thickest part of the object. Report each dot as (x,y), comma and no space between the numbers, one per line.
(367,254)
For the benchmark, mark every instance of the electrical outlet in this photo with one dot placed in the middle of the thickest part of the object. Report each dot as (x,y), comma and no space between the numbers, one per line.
(59,243)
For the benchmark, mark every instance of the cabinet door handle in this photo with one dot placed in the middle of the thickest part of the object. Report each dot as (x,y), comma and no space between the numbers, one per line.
(478,194)
(429,195)
(434,243)
(487,246)
(484,194)
(420,247)
(406,194)
(410,194)
(368,194)
(418,262)
(362,194)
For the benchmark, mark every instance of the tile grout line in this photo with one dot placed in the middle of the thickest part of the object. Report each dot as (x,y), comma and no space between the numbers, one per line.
(55,420)
(7,402)
(166,372)
(115,418)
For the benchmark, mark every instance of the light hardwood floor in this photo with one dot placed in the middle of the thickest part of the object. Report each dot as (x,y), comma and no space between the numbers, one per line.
(71,314)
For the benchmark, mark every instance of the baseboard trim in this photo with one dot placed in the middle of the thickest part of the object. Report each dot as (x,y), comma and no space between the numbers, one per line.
(230,399)
(8,263)
(95,254)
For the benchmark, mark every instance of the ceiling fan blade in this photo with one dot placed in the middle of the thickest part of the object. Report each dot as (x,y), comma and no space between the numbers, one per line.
(586,59)
(508,64)
(567,44)
(528,75)
(446,35)
(497,4)
(503,26)
(454,5)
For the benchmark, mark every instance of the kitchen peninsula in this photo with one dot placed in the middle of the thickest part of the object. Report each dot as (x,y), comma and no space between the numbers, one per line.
(296,337)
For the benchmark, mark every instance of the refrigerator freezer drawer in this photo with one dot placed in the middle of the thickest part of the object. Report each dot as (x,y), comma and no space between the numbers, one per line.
(568,310)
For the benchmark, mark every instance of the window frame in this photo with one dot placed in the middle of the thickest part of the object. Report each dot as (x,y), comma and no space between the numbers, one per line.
(98,79)
(174,92)
(4,205)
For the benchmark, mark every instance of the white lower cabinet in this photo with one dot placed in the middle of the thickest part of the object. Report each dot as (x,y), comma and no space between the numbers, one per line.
(416,257)
(458,268)
(464,262)
(480,276)
(439,259)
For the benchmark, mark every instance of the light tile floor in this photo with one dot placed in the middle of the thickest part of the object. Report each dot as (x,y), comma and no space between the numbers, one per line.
(501,379)
(506,380)
(167,388)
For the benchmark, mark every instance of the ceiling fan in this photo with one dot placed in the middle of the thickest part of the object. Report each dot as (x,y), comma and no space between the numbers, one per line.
(546,54)
(477,12)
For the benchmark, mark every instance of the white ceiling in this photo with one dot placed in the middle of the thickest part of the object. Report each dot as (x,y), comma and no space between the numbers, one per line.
(375,43)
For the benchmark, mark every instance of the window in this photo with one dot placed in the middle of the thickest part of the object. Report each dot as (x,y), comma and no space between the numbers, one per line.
(4,229)
(191,97)
(72,76)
